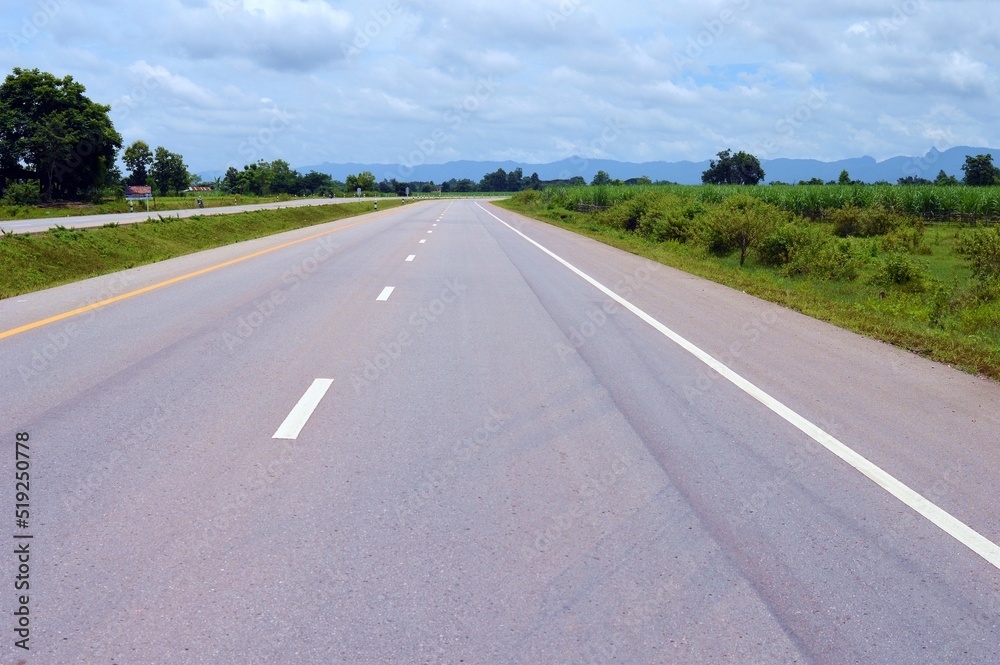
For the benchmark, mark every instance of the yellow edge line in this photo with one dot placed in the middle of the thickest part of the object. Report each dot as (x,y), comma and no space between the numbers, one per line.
(160,285)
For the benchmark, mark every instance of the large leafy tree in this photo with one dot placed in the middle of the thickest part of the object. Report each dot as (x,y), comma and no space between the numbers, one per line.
(169,172)
(739,169)
(494,182)
(365,180)
(979,171)
(51,132)
(138,160)
(601,178)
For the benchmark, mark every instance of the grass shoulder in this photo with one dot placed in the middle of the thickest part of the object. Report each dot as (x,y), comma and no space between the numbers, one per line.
(60,255)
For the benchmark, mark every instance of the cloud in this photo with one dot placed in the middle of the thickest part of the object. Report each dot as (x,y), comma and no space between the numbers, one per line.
(283,35)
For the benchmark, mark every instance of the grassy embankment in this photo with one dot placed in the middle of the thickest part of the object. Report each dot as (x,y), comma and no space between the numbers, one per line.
(874,260)
(60,255)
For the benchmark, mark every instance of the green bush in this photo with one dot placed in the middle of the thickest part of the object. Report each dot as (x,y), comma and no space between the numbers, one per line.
(834,260)
(626,215)
(740,222)
(903,239)
(669,217)
(790,241)
(897,269)
(22,194)
(806,250)
(981,247)
(876,220)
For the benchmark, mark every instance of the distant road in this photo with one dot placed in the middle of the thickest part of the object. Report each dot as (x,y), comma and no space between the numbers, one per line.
(90,221)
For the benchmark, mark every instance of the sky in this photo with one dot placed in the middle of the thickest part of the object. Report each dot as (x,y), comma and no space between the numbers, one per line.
(230,82)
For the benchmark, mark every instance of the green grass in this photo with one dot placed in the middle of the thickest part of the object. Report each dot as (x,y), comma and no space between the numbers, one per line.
(59,256)
(943,315)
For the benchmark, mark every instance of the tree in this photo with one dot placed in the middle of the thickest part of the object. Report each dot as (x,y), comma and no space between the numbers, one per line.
(913,180)
(739,169)
(515,180)
(169,172)
(51,132)
(601,178)
(494,182)
(740,222)
(979,171)
(845,178)
(365,180)
(231,181)
(945,180)
(138,160)
(283,179)
(317,184)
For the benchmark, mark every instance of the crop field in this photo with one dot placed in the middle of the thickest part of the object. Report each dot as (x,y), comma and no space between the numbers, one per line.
(915,266)
(929,201)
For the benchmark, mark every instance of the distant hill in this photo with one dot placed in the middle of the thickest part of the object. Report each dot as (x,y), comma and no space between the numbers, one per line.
(865,169)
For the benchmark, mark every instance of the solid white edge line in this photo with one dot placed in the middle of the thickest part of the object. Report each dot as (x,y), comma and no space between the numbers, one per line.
(954,527)
(386,292)
(300,415)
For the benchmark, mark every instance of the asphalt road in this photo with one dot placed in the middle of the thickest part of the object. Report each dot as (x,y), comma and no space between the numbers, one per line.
(90,221)
(483,457)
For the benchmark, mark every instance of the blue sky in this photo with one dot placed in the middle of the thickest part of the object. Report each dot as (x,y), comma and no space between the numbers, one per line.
(227,82)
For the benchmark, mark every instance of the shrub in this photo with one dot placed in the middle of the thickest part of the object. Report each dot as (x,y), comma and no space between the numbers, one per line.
(788,242)
(22,194)
(981,247)
(833,260)
(897,269)
(626,215)
(669,218)
(876,220)
(740,222)
(903,239)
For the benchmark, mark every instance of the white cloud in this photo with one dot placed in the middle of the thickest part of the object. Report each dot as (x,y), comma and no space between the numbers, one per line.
(194,79)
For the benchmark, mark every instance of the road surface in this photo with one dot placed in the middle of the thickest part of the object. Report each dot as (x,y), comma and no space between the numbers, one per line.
(446,433)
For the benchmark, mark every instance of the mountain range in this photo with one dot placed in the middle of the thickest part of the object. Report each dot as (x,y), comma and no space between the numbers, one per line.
(864,169)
